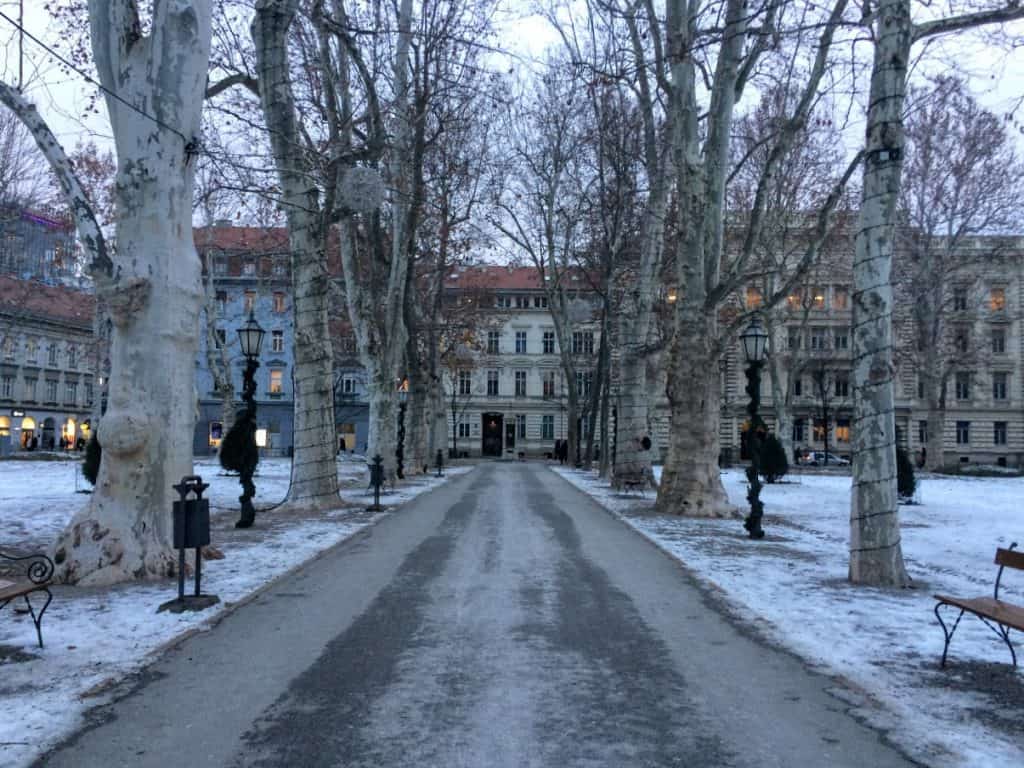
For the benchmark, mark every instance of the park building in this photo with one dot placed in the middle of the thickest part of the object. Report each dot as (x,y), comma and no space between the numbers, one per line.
(247,271)
(981,357)
(48,366)
(509,397)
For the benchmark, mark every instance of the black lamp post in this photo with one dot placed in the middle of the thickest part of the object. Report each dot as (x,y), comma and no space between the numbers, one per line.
(755,346)
(403,396)
(250,339)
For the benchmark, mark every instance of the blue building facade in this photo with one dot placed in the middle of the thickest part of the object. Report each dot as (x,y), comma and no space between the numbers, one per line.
(248,270)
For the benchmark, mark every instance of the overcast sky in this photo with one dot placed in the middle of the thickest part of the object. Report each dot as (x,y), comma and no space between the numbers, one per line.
(996,77)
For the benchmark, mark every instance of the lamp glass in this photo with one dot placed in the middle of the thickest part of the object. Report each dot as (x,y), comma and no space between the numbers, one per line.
(250,337)
(261,438)
(755,341)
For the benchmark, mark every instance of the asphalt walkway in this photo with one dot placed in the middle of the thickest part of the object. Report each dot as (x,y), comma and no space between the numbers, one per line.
(502,620)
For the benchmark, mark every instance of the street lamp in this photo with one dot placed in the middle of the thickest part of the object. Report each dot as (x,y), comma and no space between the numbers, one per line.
(250,339)
(755,345)
(403,396)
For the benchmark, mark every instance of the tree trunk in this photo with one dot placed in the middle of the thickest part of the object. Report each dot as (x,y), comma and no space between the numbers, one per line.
(124,532)
(690,482)
(314,473)
(383,434)
(936,443)
(876,556)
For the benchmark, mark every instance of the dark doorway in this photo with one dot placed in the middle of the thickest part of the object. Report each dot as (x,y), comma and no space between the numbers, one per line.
(491,434)
(510,436)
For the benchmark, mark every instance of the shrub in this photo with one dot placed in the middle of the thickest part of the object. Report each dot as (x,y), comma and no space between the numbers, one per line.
(906,483)
(774,462)
(93,454)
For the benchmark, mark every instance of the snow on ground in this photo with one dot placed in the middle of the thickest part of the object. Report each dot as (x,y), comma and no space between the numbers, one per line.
(793,587)
(95,637)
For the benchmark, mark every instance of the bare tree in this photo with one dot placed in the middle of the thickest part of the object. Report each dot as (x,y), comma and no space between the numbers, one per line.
(962,178)
(876,556)
(154,294)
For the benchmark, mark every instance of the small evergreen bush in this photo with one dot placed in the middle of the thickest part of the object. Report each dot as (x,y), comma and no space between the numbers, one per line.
(774,462)
(93,454)
(906,483)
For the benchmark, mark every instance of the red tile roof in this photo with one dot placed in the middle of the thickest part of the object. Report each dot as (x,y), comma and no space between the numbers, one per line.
(504,278)
(247,239)
(50,302)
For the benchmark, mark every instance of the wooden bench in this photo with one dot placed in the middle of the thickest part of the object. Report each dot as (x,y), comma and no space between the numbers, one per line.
(998,615)
(24,576)
(630,478)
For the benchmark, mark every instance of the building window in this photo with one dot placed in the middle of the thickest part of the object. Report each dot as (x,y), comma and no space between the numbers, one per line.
(998,341)
(280,268)
(220,266)
(798,430)
(51,390)
(348,385)
(520,383)
(819,338)
(583,342)
(819,430)
(249,300)
(922,431)
(819,297)
(548,381)
(842,385)
(278,302)
(7,387)
(493,342)
(920,388)
(999,380)
(754,297)
(72,356)
(249,268)
(961,338)
(798,387)
(51,354)
(842,340)
(222,300)
(88,394)
(960,299)
(963,386)
(31,350)
(842,430)
(549,342)
(492,383)
(277,341)
(794,338)
(463,429)
(840,297)
(71,393)
(963,432)
(997,299)
(540,302)
(547,427)
(584,382)
(9,347)
(276,381)
(465,383)
(221,336)
(999,432)
(521,425)
(520,342)
(794,300)
(30,389)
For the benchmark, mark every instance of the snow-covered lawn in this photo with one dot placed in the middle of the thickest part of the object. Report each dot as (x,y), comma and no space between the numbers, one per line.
(792,587)
(96,637)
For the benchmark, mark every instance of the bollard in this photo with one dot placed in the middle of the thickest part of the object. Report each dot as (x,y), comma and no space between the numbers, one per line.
(376,480)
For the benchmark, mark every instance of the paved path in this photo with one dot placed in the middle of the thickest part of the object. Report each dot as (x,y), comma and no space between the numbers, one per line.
(503,620)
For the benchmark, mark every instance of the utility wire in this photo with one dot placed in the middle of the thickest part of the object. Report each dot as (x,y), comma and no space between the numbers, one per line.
(92,81)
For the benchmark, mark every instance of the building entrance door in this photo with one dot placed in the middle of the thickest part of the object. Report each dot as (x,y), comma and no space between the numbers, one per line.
(510,436)
(491,434)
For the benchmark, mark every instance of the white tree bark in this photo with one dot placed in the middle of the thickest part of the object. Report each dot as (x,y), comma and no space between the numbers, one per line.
(314,474)
(876,556)
(124,531)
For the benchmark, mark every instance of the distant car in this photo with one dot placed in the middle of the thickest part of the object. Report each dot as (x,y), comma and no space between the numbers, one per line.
(820,458)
